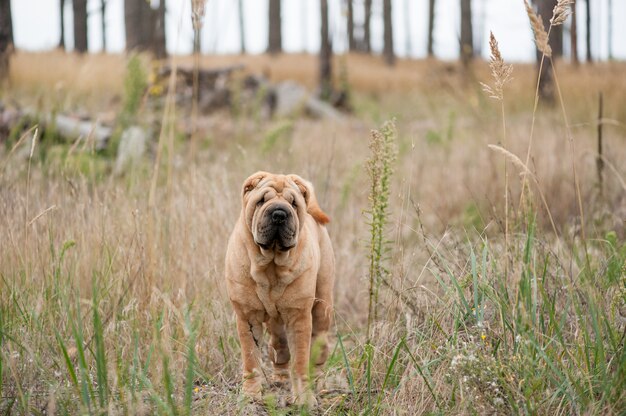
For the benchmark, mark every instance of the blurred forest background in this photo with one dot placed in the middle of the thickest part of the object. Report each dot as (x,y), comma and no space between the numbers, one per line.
(351,30)
(470,153)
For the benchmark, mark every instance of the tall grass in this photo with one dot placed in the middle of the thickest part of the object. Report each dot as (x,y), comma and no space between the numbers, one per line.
(83,333)
(535,340)
(501,74)
(112,297)
(379,169)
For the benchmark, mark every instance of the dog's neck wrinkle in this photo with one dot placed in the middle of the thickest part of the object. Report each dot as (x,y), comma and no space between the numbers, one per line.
(273,258)
(279,263)
(271,281)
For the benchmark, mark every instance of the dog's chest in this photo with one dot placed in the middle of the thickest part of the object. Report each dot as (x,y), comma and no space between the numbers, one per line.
(271,282)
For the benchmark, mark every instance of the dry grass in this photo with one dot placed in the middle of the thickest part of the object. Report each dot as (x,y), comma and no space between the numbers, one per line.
(65,80)
(82,246)
(103,74)
(541,35)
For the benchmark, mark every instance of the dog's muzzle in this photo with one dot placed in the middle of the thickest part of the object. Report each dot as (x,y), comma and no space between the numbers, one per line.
(277,229)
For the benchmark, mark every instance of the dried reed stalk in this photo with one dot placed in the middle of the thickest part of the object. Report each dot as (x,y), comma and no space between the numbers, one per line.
(501,75)
(526,173)
(541,36)
(500,71)
(561,12)
(513,158)
(197,13)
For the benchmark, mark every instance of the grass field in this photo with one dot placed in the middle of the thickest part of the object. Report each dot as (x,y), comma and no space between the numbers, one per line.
(112,294)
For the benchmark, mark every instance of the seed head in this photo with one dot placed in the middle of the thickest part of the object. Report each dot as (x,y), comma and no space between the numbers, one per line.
(499,70)
(541,36)
(561,12)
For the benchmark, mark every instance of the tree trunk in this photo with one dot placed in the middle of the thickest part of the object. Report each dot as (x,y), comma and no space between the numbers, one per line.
(145,27)
(133,24)
(158,31)
(242,33)
(62,14)
(431,27)
(6,38)
(351,41)
(326,53)
(80,25)
(275,41)
(367,44)
(103,6)
(546,82)
(556,39)
(588,31)
(574,36)
(390,57)
(467,48)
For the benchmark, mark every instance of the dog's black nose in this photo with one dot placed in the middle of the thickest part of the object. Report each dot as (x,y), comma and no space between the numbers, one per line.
(279,215)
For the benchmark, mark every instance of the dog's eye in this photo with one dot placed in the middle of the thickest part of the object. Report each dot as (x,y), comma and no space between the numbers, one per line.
(293,204)
(258,204)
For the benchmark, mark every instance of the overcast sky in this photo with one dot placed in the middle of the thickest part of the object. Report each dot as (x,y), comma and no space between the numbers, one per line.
(36,26)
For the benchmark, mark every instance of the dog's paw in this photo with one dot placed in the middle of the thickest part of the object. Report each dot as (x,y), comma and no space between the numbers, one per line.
(280,377)
(252,389)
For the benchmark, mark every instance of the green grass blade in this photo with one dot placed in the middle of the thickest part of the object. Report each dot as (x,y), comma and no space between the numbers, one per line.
(191,364)
(101,365)
(369,349)
(169,385)
(421,373)
(475,283)
(390,369)
(2,330)
(68,362)
(85,382)
(168,382)
(455,282)
(346,364)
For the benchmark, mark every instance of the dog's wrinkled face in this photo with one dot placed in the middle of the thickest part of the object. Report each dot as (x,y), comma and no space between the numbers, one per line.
(274,207)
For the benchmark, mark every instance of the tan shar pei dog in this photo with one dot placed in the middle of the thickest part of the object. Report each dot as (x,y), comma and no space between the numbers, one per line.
(280,273)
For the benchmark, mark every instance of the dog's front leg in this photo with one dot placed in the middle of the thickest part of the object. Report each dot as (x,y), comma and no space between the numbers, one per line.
(299,326)
(250,330)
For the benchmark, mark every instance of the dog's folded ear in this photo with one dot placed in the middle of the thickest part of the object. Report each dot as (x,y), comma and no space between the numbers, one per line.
(252,182)
(312,207)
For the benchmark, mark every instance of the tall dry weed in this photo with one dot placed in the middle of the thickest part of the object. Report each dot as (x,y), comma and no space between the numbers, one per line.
(379,168)
(541,35)
(561,12)
(501,74)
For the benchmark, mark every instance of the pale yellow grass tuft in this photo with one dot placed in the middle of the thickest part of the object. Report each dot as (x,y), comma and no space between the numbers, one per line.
(561,12)
(197,13)
(500,71)
(525,172)
(541,36)
(513,158)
